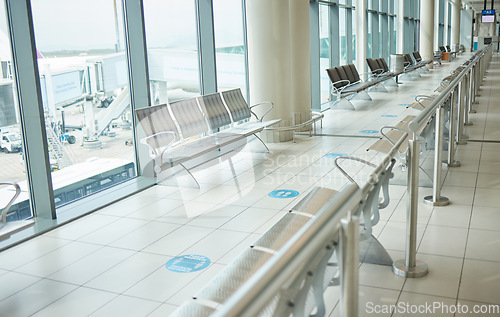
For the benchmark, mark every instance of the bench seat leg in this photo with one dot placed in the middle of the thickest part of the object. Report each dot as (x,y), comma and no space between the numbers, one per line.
(342,103)
(258,138)
(192,176)
(378,88)
(391,82)
(362,95)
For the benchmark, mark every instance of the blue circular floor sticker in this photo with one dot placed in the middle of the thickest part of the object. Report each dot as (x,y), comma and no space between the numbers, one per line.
(388,115)
(283,193)
(334,155)
(188,263)
(404,104)
(369,131)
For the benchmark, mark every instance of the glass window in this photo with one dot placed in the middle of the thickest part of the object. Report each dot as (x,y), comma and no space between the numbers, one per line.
(353,27)
(11,144)
(85,94)
(229,45)
(324,60)
(171,36)
(343,36)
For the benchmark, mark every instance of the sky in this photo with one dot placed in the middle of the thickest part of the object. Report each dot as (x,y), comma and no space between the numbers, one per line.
(90,24)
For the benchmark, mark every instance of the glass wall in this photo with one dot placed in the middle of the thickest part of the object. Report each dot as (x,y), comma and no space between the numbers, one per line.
(11,134)
(325,51)
(229,45)
(85,95)
(171,37)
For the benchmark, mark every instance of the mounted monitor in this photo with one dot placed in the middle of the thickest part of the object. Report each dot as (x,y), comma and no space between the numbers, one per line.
(487,19)
(488,16)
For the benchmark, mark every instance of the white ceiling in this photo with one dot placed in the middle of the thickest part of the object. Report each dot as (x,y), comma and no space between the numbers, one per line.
(478,5)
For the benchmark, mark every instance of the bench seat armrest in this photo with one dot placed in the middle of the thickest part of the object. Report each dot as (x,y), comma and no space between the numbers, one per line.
(156,151)
(336,90)
(271,106)
(11,201)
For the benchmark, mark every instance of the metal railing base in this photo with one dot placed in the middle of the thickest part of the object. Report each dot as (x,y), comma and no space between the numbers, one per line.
(461,142)
(419,270)
(441,201)
(468,123)
(455,163)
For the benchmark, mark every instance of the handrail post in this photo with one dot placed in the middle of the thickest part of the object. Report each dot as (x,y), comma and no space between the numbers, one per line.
(454,106)
(349,277)
(472,95)
(409,266)
(436,199)
(463,95)
(475,86)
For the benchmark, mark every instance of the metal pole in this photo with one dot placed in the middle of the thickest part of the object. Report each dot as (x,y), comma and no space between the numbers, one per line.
(349,278)
(453,124)
(410,267)
(461,105)
(468,105)
(436,199)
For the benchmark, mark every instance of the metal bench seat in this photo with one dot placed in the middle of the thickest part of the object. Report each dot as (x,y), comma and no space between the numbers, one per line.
(233,276)
(241,112)
(189,128)
(346,83)
(418,58)
(9,228)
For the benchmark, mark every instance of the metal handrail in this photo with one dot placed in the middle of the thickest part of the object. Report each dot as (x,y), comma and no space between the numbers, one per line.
(266,282)
(424,116)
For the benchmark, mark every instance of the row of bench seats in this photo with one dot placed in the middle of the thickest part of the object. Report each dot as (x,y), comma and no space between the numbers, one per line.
(346,82)
(187,129)
(305,293)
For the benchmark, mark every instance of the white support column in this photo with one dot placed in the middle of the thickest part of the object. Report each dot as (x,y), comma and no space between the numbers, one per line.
(427,29)
(400,33)
(361,35)
(455,22)
(300,61)
(447,35)
(436,24)
(279,60)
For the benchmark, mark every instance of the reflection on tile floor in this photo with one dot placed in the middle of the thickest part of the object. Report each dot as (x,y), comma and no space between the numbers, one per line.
(112,262)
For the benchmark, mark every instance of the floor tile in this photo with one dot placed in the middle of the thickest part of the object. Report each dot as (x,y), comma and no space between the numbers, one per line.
(169,244)
(487,197)
(58,259)
(483,245)
(85,269)
(80,302)
(412,304)
(480,281)
(451,216)
(128,272)
(446,241)
(485,218)
(29,301)
(144,236)
(442,279)
(124,306)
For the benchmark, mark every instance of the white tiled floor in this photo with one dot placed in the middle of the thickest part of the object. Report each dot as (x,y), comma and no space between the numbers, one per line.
(112,262)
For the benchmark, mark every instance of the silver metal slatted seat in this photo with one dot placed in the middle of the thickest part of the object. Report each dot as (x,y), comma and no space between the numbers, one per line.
(241,112)
(192,124)
(9,228)
(218,116)
(193,309)
(166,149)
(244,266)
(233,276)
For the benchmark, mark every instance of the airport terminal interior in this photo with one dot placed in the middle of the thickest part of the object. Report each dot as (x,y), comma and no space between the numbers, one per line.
(249,158)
